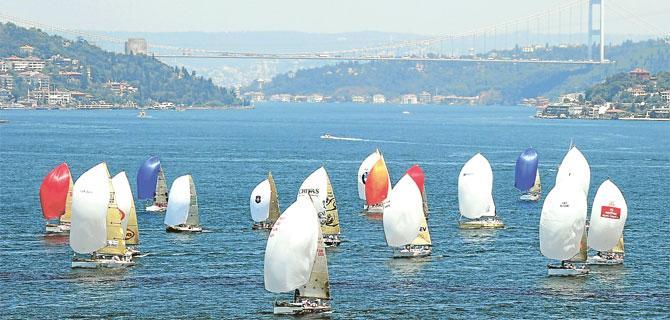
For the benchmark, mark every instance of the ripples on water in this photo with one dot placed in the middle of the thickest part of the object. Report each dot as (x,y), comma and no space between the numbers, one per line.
(220,273)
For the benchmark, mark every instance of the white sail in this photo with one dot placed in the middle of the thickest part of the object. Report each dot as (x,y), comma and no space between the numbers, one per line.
(124,197)
(403,217)
(259,201)
(475,187)
(179,202)
(608,217)
(574,169)
(315,187)
(292,246)
(90,198)
(562,222)
(363,171)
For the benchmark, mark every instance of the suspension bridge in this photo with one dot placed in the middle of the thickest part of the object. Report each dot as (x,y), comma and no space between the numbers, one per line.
(578,23)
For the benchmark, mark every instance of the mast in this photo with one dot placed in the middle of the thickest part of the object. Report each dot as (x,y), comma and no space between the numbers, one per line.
(67,216)
(161,196)
(331,223)
(116,243)
(193,214)
(318,285)
(274,200)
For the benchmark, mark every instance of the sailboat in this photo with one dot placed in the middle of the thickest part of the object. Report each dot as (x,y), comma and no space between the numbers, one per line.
(377,188)
(475,198)
(608,218)
(152,186)
(182,210)
(295,260)
(264,204)
(363,172)
(405,225)
(126,203)
(575,168)
(56,199)
(527,175)
(96,222)
(318,188)
(562,230)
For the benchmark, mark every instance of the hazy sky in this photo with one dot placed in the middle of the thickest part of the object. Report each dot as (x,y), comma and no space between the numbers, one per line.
(412,16)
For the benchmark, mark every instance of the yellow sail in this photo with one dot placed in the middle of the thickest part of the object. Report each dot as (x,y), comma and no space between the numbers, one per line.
(583,250)
(116,243)
(318,285)
(132,232)
(619,246)
(67,216)
(537,187)
(331,224)
(274,200)
(424,235)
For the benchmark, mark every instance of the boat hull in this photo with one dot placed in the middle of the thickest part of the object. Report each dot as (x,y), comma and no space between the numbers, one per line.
(155,208)
(183,228)
(262,226)
(530,197)
(489,223)
(57,228)
(412,252)
(298,308)
(107,262)
(331,240)
(598,260)
(566,271)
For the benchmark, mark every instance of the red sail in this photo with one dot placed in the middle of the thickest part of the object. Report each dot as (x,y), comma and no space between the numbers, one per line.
(53,191)
(377,183)
(417,175)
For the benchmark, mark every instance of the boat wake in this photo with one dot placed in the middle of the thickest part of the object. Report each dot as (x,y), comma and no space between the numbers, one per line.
(332,137)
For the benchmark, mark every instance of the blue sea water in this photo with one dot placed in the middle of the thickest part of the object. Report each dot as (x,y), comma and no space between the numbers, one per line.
(219,274)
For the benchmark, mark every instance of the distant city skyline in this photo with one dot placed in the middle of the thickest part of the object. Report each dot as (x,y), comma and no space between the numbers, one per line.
(427,17)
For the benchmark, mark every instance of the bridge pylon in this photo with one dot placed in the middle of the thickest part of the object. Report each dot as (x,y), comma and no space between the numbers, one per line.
(598,31)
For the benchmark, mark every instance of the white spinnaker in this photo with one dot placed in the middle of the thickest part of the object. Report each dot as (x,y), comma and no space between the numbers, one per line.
(363,171)
(90,199)
(315,187)
(259,201)
(123,196)
(475,186)
(562,222)
(179,202)
(403,217)
(575,169)
(608,217)
(291,248)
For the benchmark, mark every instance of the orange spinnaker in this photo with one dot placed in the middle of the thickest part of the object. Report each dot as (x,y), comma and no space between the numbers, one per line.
(417,175)
(377,183)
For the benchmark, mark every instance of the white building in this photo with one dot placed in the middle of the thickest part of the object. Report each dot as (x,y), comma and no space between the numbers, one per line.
(409,99)
(26,64)
(358,99)
(378,98)
(425,97)
(315,98)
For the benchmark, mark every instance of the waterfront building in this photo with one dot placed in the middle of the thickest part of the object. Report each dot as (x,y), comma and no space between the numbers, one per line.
(358,99)
(6,82)
(378,98)
(409,99)
(665,94)
(425,97)
(315,98)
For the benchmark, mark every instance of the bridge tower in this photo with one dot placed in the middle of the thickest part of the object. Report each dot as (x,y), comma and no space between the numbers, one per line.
(600,31)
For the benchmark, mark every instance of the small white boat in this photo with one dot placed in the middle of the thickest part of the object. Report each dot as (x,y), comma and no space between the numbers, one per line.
(142,114)
(264,204)
(182,213)
(97,228)
(563,230)
(152,185)
(608,218)
(56,199)
(326,136)
(303,272)
(475,195)
(318,189)
(406,112)
(374,184)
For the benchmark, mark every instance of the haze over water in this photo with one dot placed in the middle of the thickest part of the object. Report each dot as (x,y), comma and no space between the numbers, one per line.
(220,273)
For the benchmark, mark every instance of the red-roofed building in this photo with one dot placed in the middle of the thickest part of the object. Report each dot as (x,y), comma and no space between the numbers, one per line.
(640,73)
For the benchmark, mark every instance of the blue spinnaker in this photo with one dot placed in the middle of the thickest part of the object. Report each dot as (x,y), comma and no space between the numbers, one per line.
(526,168)
(147,177)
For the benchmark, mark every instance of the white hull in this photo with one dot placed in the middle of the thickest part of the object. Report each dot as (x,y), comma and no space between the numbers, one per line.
(530,197)
(183,228)
(155,208)
(483,223)
(331,240)
(598,260)
(114,263)
(133,251)
(412,252)
(297,308)
(567,271)
(57,228)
